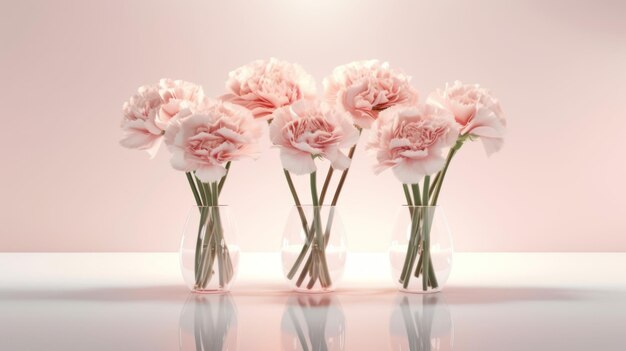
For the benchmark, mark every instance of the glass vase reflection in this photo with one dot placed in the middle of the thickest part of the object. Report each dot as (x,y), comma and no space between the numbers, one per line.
(421,322)
(313,322)
(208,323)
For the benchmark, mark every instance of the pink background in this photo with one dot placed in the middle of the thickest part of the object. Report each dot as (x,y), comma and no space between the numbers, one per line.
(559,69)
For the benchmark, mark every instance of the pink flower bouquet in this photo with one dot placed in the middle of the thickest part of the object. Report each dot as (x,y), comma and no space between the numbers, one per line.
(204,137)
(417,141)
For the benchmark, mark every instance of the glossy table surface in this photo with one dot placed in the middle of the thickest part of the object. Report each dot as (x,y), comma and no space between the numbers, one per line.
(137,301)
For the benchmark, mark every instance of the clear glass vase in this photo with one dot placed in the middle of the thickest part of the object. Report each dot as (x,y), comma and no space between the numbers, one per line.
(421,322)
(208,323)
(421,249)
(209,255)
(314,248)
(313,322)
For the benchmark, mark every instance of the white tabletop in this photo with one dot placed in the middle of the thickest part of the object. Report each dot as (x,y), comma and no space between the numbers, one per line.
(137,301)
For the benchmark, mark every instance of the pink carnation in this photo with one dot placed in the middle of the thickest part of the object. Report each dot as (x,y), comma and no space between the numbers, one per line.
(138,122)
(475,110)
(150,111)
(213,133)
(365,88)
(411,140)
(262,86)
(308,129)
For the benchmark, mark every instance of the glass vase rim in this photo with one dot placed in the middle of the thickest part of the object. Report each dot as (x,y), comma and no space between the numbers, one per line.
(310,205)
(209,206)
(421,206)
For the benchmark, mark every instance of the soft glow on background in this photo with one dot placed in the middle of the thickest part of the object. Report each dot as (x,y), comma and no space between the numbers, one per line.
(67,66)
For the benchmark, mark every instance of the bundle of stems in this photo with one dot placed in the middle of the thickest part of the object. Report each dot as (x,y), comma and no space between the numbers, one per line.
(422,211)
(317,236)
(211,244)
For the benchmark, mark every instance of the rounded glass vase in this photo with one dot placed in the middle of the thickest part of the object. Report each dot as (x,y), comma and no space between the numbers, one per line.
(314,249)
(209,252)
(421,249)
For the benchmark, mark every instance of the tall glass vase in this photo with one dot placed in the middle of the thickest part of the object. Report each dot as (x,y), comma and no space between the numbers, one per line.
(421,249)
(209,255)
(314,248)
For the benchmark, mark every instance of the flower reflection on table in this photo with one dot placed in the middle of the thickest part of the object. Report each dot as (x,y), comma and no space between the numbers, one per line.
(421,322)
(208,323)
(313,322)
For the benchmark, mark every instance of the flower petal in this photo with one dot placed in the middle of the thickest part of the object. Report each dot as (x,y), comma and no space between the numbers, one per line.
(337,159)
(154,148)
(179,161)
(492,145)
(136,140)
(210,173)
(409,172)
(297,162)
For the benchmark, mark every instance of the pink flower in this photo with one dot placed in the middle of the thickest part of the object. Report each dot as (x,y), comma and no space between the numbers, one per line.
(213,133)
(138,122)
(176,95)
(411,140)
(263,86)
(149,112)
(365,88)
(309,129)
(475,110)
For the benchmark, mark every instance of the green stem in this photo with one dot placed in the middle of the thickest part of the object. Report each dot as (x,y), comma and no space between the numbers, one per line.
(412,249)
(418,268)
(192,184)
(443,172)
(426,235)
(329,175)
(426,189)
(305,227)
(305,270)
(409,249)
(221,185)
(343,176)
(206,256)
(407,195)
(431,273)
(409,203)
(196,196)
(228,264)
(434,184)
(219,239)
(318,248)
(416,194)
(201,189)
(426,269)
(296,200)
